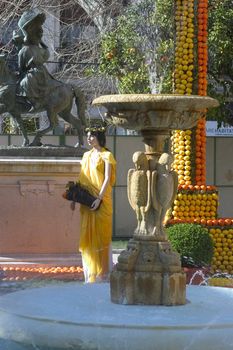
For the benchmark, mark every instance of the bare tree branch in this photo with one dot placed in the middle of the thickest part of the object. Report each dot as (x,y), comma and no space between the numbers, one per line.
(96,10)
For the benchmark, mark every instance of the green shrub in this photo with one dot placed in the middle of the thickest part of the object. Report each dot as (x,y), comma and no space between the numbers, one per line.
(192,242)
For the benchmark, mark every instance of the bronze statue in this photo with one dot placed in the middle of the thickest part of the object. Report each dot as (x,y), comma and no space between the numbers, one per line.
(34,89)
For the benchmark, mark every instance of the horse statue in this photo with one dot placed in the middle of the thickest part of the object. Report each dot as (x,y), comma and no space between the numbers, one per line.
(58,102)
(33,89)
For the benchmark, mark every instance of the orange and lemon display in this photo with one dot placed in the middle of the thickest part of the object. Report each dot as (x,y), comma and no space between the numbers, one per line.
(189,147)
(191,46)
(200,152)
(202,48)
(223,249)
(220,282)
(17,272)
(184,51)
(202,58)
(181,149)
(189,151)
(196,202)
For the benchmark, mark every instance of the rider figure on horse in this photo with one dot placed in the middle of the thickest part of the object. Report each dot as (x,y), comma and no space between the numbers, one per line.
(34,78)
(34,89)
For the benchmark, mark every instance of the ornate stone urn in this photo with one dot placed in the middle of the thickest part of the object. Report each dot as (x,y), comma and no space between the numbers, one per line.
(148,271)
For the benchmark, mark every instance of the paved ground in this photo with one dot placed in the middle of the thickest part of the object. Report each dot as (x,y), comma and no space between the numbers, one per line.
(20,275)
(15,277)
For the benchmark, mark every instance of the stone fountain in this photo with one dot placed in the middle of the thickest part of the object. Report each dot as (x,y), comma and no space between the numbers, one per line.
(149,272)
(81,316)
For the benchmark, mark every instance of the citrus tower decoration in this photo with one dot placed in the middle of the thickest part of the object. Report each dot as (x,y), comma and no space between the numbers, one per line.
(189,147)
(196,202)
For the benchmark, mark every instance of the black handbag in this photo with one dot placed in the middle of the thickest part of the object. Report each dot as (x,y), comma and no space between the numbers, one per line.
(76,193)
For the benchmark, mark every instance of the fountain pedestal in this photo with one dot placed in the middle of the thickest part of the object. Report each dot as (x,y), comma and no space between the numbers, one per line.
(148,271)
(146,274)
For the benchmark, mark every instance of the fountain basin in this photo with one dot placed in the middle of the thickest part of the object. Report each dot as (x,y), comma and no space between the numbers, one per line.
(152,111)
(81,316)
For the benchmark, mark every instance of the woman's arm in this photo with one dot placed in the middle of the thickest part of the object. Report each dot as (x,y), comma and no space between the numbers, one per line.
(107,177)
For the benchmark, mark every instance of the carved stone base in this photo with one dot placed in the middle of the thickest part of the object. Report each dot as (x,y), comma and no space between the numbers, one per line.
(148,288)
(148,273)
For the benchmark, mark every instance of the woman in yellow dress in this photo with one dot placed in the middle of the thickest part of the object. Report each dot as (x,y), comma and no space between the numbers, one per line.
(98,172)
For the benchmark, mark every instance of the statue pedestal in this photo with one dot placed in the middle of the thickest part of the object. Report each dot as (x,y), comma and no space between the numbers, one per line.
(148,273)
(34,217)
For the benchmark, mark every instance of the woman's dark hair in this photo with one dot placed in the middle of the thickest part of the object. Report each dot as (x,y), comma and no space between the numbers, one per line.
(100,135)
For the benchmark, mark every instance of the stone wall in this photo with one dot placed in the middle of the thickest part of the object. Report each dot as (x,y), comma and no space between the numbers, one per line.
(219,172)
(34,218)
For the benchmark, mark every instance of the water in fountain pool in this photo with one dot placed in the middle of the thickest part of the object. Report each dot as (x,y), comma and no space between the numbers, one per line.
(81,316)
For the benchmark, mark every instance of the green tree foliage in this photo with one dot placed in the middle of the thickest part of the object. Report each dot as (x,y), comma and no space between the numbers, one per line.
(139,50)
(121,58)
